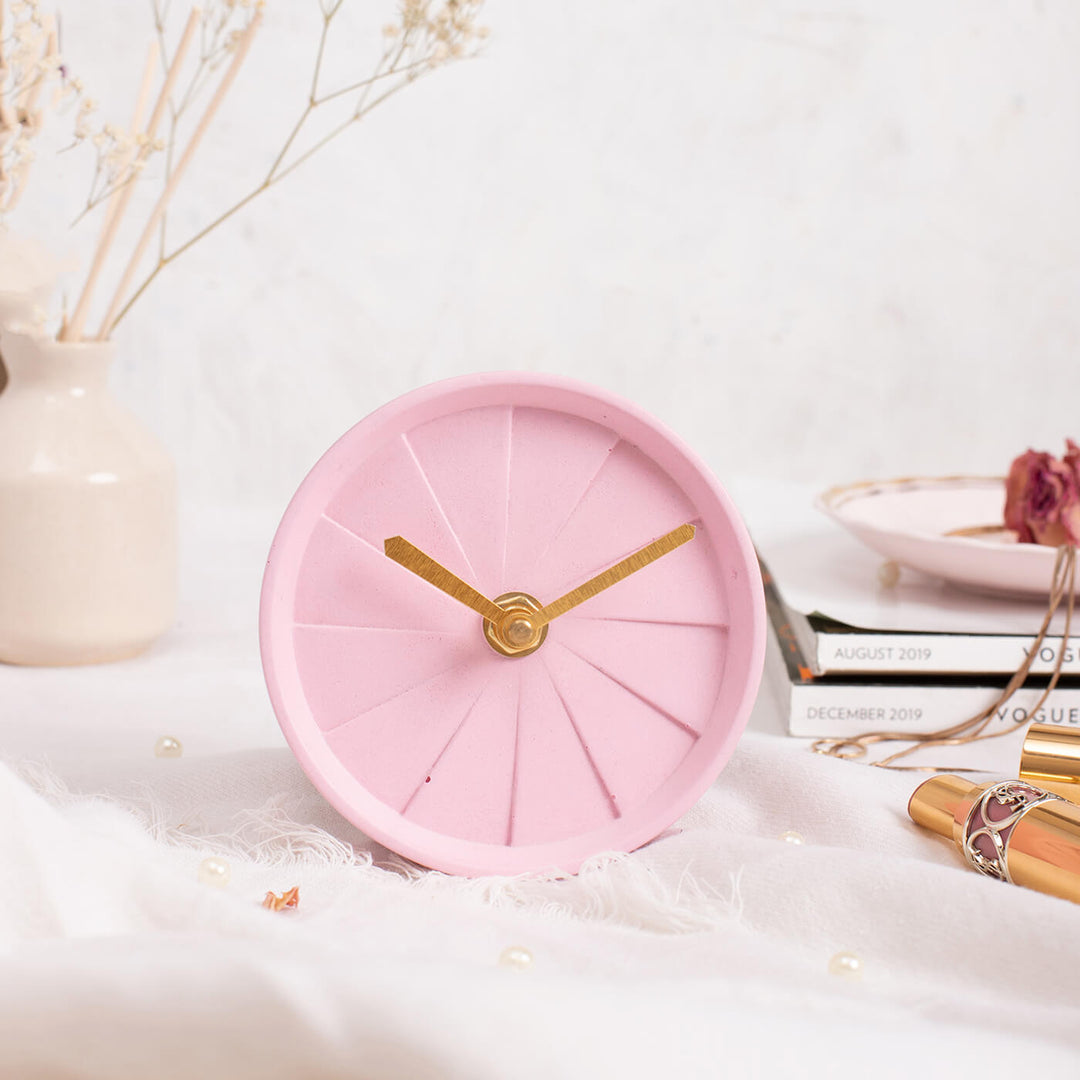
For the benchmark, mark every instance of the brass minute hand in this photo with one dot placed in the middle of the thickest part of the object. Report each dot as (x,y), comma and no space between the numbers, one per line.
(631,564)
(412,558)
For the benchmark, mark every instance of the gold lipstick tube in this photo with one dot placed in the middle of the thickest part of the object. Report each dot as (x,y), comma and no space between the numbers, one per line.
(1010,830)
(1051,759)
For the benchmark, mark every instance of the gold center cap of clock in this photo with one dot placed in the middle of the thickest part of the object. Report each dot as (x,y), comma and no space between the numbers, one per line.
(514,634)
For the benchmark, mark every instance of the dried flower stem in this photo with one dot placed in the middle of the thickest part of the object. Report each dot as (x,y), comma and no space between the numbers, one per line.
(415,35)
(29,100)
(242,47)
(136,126)
(425,35)
(72,330)
(32,61)
(217,39)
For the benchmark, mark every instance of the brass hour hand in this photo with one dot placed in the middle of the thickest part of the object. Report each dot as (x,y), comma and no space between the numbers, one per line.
(412,558)
(631,564)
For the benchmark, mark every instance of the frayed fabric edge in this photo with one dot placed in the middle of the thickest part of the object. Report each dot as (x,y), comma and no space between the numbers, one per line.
(614,888)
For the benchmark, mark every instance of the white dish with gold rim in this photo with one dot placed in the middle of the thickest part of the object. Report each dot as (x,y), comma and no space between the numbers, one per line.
(948,526)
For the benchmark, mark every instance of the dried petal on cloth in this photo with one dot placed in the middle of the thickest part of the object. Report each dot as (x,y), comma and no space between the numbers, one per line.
(288,899)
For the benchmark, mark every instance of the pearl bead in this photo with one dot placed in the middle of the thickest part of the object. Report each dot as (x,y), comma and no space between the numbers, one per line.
(888,574)
(167,746)
(847,965)
(791,837)
(516,957)
(215,871)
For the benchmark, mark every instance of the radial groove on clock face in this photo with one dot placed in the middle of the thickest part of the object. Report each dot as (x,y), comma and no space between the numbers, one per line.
(471,487)
(662,662)
(353,584)
(635,745)
(393,746)
(405,715)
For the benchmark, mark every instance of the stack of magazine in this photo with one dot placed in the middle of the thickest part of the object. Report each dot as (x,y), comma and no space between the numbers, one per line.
(850,655)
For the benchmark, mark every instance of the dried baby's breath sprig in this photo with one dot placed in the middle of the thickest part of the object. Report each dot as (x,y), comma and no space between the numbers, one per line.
(72,328)
(29,62)
(426,35)
(130,156)
(239,53)
(120,153)
(223,31)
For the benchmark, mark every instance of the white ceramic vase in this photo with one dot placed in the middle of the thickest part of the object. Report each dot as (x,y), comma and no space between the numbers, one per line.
(87,511)
(28,275)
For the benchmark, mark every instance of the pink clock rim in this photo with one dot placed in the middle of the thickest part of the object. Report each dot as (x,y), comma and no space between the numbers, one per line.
(455,855)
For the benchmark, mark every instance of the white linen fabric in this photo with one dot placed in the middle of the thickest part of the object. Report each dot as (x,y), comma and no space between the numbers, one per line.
(704,954)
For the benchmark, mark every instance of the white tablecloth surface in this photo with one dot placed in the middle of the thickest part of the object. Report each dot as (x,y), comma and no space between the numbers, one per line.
(704,954)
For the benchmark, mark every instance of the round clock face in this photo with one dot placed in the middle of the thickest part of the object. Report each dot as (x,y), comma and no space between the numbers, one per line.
(509,622)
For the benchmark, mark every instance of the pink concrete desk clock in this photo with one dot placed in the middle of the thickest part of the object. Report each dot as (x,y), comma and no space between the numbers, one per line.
(509,621)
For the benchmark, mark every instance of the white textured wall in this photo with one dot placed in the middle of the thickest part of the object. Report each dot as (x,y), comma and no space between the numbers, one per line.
(821,241)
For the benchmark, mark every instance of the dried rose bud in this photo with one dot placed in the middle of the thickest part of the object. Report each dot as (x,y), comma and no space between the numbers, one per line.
(1072,458)
(1042,498)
